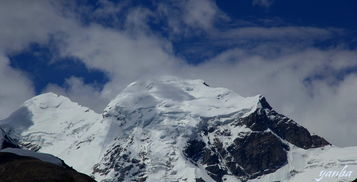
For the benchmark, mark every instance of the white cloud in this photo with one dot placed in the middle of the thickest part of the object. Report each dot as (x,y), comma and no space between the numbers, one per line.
(332,111)
(14,89)
(23,22)
(124,57)
(79,92)
(278,33)
(190,17)
(200,13)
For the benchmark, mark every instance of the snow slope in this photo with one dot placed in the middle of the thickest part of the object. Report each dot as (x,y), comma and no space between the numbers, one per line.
(326,164)
(53,124)
(171,129)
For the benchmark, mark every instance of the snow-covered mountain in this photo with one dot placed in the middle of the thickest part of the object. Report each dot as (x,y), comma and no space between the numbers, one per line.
(171,129)
(53,124)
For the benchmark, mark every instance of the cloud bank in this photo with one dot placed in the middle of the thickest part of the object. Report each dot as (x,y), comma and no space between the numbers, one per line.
(315,86)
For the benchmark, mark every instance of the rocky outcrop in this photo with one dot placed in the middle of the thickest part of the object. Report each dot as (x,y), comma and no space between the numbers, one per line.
(266,118)
(257,154)
(248,157)
(6,141)
(27,169)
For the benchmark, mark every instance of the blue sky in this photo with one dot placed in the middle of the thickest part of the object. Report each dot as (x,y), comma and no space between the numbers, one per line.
(300,54)
(44,67)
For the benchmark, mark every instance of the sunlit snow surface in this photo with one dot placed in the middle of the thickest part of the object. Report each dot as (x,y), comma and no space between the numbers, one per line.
(307,165)
(151,121)
(59,127)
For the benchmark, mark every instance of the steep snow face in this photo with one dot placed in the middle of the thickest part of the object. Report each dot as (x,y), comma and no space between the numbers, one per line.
(53,113)
(54,124)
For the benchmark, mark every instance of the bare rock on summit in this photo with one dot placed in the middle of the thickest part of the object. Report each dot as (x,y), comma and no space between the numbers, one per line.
(266,118)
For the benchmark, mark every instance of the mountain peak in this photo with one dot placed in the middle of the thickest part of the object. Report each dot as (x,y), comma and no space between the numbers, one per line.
(263,103)
(48,100)
(53,124)
(45,109)
(180,95)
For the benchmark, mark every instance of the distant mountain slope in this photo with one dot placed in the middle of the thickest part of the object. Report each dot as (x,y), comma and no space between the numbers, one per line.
(54,124)
(171,129)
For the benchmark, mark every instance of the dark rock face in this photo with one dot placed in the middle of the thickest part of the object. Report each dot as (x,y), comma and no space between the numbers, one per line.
(6,141)
(199,152)
(247,158)
(318,141)
(248,154)
(200,180)
(194,150)
(264,118)
(26,169)
(258,153)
